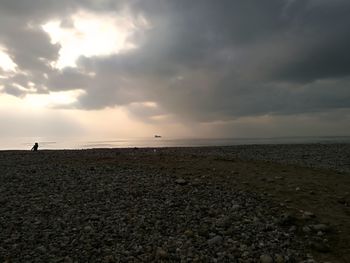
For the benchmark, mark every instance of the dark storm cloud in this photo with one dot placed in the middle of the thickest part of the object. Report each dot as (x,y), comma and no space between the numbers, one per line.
(200,60)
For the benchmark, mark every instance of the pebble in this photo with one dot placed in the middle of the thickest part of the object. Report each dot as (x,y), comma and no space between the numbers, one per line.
(287,219)
(306,229)
(320,233)
(181,181)
(87,228)
(189,233)
(266,259)
(41,249)
(320,227)
(235,207)
(245,254)
(292,229)
(279,258)
(308,215)
(320,247)
(161,253)
(68,259)
(215,240)
(108,259)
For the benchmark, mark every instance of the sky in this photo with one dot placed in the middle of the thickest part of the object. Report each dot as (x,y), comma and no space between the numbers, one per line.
(98,69)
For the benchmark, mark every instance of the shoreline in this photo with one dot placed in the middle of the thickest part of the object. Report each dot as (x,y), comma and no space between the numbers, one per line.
(178,203)
(330,156)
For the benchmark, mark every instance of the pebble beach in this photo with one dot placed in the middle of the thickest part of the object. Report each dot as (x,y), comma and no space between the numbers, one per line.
(256,203)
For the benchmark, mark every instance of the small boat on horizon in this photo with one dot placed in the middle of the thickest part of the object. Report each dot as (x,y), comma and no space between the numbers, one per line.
(157,136)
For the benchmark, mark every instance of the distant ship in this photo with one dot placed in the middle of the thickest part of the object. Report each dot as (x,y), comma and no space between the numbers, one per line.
(157,136)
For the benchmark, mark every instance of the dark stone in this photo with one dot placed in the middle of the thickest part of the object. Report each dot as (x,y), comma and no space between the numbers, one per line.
(320,247)
(287,219)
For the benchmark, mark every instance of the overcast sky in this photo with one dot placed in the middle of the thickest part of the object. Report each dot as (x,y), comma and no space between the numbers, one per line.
(199,68)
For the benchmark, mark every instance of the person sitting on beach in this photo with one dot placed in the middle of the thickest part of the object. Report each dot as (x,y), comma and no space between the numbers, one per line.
(35,147)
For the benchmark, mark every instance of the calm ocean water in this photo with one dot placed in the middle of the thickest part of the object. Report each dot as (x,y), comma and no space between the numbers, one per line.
(47,143)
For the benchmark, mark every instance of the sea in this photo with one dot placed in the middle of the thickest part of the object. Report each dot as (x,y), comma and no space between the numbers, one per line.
(152,142)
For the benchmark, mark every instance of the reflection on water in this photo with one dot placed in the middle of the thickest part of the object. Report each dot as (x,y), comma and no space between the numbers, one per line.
(27,143)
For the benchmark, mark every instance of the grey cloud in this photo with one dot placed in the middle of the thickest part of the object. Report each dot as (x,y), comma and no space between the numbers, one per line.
(150,113)
(39,10)
(334,122)
(207,61)
(12,90)
(68,79)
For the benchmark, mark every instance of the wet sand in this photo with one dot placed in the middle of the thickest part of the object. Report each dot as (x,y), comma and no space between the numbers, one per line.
(287,203)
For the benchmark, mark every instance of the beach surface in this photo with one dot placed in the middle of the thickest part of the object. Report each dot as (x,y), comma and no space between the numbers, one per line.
(256,203)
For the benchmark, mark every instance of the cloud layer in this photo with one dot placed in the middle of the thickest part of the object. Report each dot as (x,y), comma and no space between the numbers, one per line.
(196,61)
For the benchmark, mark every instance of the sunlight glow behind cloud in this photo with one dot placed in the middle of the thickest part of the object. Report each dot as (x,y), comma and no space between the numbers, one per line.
(53,99)
(90,34)
(6,63)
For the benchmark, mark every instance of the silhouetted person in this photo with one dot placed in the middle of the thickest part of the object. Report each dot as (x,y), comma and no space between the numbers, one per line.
(35,147)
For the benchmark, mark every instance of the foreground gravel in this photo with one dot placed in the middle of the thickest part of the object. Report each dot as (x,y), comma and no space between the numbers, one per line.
(66,207)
